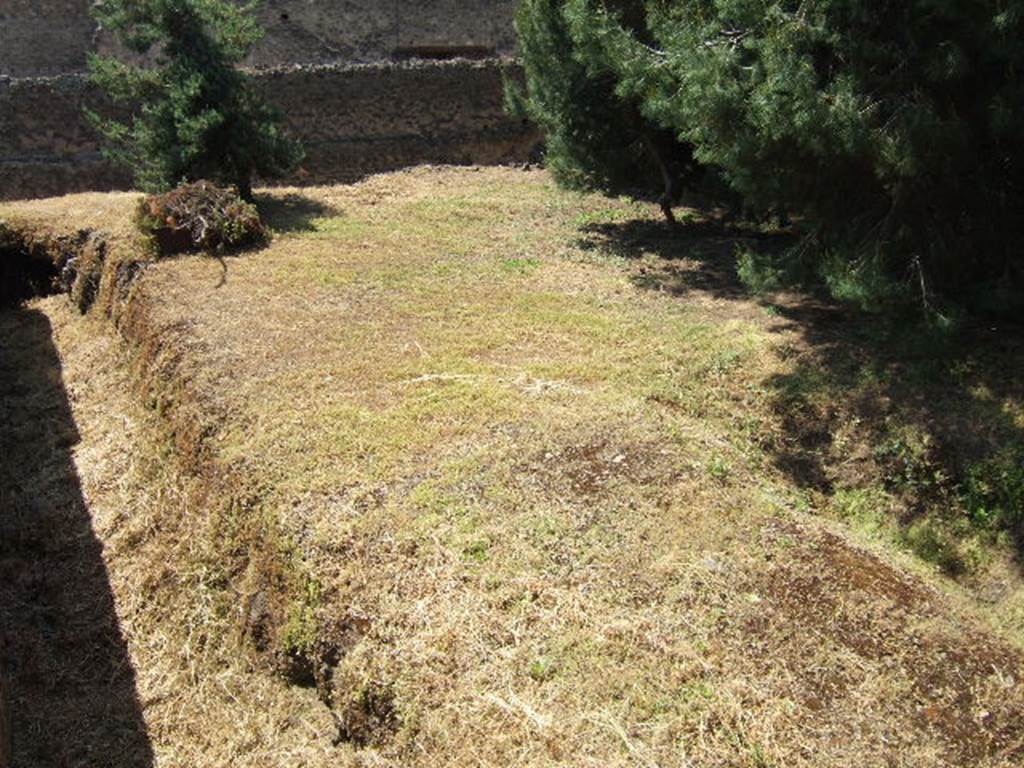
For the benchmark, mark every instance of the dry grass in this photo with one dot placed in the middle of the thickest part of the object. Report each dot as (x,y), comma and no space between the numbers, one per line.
(204,703)
(98,211)
(530,501)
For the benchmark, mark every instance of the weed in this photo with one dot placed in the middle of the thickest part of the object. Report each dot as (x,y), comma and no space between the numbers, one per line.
(907,455)
(478,551)
(867,508)
(302,627)
(993,491)
(542,669)
(719,467)
(520,265)
(932,541)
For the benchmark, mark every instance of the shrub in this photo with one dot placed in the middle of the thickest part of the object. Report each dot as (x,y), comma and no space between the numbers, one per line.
(934,543)
(198,217)
(994,490)
(758,272)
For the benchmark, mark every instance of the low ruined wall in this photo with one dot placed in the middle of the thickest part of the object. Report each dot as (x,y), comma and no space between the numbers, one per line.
(47,146)
(53,37)
(364,120)
(327,31)
(353,121)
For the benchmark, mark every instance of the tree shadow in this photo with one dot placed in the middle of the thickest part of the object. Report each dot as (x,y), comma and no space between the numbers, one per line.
(292,212)
(692,256)
(933,419)
(70,685)
(868,401)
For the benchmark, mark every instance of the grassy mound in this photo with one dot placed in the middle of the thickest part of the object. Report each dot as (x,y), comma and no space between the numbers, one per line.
(504,475)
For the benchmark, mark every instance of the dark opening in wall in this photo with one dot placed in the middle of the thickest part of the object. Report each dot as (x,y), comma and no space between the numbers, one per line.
(284,17)
(36,264)
(25,271)
(441,52)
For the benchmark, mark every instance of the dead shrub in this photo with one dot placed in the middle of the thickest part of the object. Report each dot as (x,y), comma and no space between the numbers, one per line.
(199,217)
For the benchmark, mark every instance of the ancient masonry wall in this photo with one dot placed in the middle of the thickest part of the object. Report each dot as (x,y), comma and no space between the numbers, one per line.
(352,120)
(53,37)
(367,85)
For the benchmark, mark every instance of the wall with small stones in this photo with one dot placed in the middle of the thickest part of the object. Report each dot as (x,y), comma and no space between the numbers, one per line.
(359,120)
(53,37)
(367,85)
(352,120)
(47,146)
(362,31)
(44,37)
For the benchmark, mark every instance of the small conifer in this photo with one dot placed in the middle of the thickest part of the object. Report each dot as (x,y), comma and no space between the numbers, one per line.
(195,113)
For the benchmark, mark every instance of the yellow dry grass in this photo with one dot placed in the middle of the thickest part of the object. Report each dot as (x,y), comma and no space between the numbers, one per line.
(99,211)
(531,500)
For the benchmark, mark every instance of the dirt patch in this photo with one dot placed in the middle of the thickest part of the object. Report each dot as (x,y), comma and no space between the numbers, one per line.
(368,718)
(964,686)
(593,468)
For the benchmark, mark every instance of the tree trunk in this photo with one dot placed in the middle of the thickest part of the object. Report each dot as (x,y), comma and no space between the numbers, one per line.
(244,185)
(671,174)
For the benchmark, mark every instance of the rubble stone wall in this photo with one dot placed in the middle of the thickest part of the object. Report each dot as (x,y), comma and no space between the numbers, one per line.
(53,37)
(367,85)
(352,120)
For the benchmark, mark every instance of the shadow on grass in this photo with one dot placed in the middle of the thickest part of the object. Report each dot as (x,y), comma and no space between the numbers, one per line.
(69,681)
(700,256)
(292,212)
(935,422)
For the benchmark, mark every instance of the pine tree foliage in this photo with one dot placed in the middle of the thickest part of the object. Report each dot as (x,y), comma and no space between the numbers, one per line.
(196,115)
(893,128)
(593,139)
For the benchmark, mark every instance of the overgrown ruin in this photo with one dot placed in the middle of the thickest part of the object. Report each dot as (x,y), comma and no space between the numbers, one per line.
(366,86)
(453,466)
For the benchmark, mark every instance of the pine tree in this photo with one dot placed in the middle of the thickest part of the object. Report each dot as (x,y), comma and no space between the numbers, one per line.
(196,114)
(893,128)
(596,137)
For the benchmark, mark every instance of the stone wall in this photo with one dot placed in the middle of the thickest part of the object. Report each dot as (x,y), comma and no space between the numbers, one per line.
(367,85)
(44,37)
(322,31)
(52,37)
(353,121)
(359,120)
(47,146)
